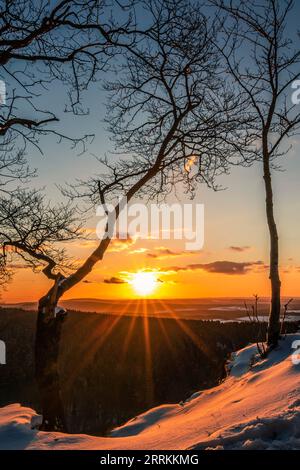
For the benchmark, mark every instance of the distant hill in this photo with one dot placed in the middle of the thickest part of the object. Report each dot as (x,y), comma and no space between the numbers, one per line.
(190,309)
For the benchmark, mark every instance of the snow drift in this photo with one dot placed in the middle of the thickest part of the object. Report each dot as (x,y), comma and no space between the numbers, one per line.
(256,407)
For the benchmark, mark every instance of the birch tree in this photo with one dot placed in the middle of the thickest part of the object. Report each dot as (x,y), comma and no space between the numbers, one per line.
(263,57)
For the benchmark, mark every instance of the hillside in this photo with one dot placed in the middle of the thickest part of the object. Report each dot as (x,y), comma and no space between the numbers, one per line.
(181,358)
(256,407)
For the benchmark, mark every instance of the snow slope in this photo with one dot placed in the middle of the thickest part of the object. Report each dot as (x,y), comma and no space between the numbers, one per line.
(256,407)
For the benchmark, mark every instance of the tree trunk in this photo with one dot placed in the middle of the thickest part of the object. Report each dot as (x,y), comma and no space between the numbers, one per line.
(273,333)
(47,343)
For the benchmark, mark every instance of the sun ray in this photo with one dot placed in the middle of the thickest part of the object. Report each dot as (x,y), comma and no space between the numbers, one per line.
(163,328)
(148,356)
(131,328)
(95,341)
(185,328)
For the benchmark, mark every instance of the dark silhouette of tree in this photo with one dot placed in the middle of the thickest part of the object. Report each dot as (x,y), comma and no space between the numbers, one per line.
(42,44)
(263,58)
(32,229)
(169,105)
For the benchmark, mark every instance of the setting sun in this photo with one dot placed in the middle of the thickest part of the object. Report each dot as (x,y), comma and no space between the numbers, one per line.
(144,283)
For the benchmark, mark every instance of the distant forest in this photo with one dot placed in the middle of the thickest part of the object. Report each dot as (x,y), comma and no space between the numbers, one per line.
(110,373)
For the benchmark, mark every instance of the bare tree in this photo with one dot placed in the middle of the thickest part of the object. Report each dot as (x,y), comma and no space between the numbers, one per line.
(43,43)
(169,107)
(32,235)
(263,57)
(33,228)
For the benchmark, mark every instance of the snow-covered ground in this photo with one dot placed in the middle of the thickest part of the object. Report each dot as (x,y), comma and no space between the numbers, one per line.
(256,407)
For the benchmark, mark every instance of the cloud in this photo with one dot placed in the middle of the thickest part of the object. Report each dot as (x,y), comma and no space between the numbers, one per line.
(239,249)
(120,244)
(220,267)
(114,280)
(86,244)
(138,251)
(162,252)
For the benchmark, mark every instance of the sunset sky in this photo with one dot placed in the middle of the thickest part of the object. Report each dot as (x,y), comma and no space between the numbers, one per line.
(235,231)
(235,225)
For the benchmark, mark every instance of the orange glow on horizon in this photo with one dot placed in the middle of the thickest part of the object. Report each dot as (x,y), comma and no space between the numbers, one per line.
(160,283)
(144,283)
